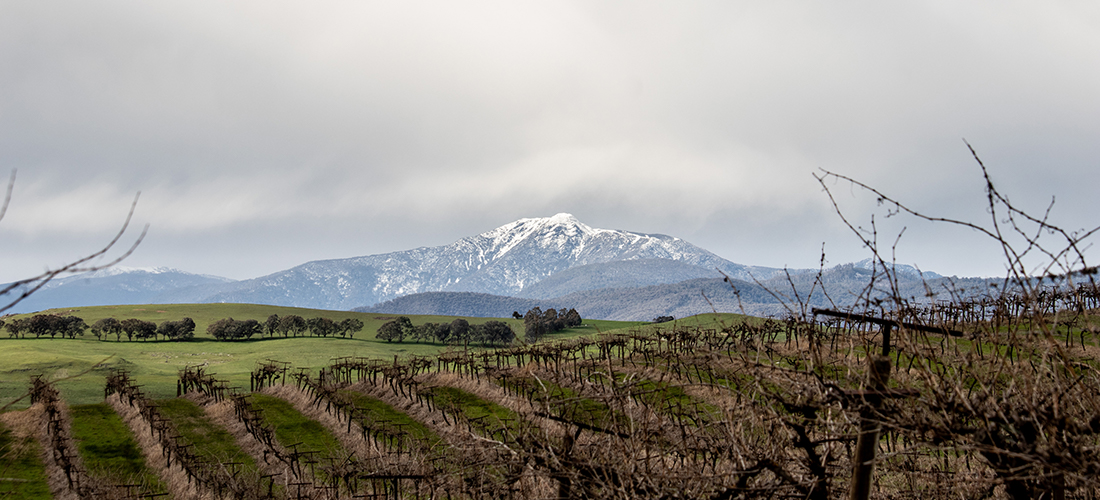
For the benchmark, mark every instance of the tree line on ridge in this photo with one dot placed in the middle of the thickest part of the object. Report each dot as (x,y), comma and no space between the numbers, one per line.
(537,323)
(68,326)
(458,331)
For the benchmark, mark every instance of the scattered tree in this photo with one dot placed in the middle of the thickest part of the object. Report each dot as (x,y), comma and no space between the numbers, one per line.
(43,324)
(572,318)
(292,325)
(17,328)
(183,329)
(494,333)
(459,329)
(444,332)
(271,326)
(395,330)
(322,327)
(107,326)
(231,329)
(533,327)
(538,323)
(71,326)
(350,326)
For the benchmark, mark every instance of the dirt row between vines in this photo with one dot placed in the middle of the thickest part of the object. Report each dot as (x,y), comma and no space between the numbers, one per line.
(173,476)
(473,450)
(32,422)
(222,414)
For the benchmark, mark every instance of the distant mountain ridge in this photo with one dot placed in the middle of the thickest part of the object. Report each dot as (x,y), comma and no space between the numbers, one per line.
(112,286)
(616,274)
(643,303)
(551,260)
(837,287)
(503,261)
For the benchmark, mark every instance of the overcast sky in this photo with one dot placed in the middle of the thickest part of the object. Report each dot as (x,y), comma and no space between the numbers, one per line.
(265,134)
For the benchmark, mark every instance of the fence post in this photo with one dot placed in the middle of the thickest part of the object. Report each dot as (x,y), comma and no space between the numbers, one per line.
(869,429)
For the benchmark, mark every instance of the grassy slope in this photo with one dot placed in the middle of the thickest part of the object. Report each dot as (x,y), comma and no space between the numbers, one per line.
(486,416)
(109,448)
(378,414)
(568,403)
(155,364)
(22,474)
(212,443)
(292,427)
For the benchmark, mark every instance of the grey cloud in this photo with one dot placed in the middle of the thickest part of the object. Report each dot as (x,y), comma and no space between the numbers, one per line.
(371,127)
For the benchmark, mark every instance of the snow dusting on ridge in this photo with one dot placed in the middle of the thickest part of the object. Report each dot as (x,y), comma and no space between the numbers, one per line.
(501,261)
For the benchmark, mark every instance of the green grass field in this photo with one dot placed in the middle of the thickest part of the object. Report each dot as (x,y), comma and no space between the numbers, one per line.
(294,428)
(213,443)
(109,449)
(22,474)
(80,365)
(376,412)
(565,401)
(484,415)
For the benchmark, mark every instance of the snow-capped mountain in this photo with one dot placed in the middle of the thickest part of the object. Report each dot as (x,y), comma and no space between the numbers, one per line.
(608,273)
(502,261)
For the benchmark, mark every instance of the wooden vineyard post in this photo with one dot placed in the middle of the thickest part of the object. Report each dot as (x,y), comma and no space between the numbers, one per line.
(863,464)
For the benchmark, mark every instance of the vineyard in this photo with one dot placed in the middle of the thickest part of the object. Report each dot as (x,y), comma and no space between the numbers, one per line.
(978,399)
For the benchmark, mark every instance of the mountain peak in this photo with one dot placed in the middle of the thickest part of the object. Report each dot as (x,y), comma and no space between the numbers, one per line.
(540,223)
(571,224)
(528,250)
(119,269)
(502,261)
(562,218)
(552,231)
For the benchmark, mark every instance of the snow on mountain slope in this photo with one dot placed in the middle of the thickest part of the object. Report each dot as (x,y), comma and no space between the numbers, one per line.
(502,261)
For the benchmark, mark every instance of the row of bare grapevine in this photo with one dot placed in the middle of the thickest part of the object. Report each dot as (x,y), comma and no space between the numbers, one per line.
(217,478)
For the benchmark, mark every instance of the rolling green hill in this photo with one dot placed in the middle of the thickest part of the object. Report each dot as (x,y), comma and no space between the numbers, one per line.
(156,363)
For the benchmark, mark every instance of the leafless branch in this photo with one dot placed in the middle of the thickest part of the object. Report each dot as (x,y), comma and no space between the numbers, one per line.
(82,265)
